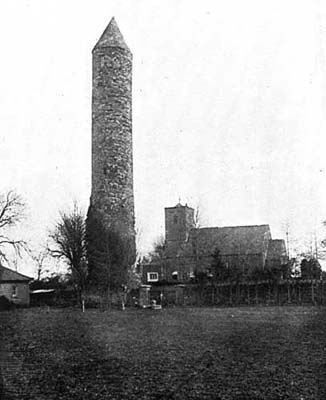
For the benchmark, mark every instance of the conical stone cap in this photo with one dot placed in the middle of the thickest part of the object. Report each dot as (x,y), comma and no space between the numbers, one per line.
(111,37)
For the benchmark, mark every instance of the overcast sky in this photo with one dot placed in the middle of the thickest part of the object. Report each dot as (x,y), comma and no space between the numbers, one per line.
(229,106)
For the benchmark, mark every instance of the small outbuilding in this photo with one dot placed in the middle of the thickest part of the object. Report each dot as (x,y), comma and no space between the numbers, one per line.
(14,286)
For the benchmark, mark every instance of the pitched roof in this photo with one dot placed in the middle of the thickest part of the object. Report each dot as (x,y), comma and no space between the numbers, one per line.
(112,37)
(8,275)
(230,240)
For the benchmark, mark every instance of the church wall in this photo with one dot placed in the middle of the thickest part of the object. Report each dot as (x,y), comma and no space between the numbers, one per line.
(167,267)
(245,263)
(187,265)
(190,219)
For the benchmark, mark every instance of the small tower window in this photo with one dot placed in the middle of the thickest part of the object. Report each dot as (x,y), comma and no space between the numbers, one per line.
(14,291)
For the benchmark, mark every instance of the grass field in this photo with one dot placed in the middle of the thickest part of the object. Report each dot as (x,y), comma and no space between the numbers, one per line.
(197,353)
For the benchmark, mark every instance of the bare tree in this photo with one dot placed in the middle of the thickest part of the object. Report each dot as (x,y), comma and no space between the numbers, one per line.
(12,211)
(39,258)
(134,272)
(139,236)
(68,243)
(198,217)
(293,245)
(158,249)
(321,252)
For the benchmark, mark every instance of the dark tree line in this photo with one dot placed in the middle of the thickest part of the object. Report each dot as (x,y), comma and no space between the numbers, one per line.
(221,272)
(310,269)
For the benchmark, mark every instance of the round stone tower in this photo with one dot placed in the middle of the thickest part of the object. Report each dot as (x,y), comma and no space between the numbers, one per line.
(112,160)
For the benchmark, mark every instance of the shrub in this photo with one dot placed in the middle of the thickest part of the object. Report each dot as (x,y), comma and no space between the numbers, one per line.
(6,304)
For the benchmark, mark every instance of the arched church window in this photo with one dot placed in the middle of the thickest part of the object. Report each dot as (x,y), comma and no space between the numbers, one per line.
(175,219)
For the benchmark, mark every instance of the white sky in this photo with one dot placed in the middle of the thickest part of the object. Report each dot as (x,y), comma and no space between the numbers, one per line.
(229,106)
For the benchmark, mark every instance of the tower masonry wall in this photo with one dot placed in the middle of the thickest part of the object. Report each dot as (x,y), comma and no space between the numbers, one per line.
(112,159)
(178,222)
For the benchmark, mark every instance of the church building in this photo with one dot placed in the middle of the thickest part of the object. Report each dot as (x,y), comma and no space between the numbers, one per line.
(188,249)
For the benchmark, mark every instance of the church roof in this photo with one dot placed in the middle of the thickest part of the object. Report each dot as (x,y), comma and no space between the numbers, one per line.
(8,275)
(232,240)
(111,37)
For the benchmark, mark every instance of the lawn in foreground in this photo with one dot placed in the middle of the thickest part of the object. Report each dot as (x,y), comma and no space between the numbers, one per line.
(181,353)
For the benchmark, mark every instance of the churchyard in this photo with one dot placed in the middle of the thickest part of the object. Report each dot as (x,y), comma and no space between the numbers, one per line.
(176,353)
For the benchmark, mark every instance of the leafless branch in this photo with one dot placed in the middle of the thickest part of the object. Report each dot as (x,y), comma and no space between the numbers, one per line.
(11,209)
(67,241)
(39,258)
(11,213)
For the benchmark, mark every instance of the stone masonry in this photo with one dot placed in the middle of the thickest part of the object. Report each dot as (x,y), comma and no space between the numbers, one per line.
(112,158)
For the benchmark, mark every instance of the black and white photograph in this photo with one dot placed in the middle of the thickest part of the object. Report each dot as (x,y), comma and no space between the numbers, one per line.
(163,200)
